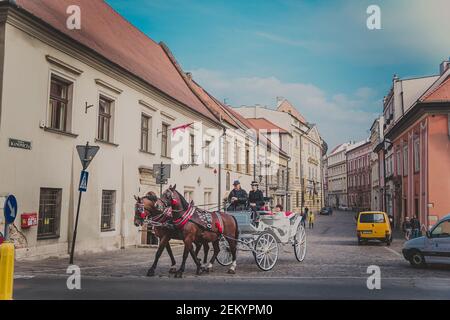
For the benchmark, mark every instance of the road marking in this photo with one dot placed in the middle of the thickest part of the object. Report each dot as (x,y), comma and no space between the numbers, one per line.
(393,251)
(20,276)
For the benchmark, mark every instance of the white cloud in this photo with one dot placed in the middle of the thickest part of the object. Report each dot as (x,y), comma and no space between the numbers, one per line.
(339,118)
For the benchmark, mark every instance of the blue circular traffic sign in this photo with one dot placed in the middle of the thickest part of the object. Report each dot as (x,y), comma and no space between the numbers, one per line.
(10,209)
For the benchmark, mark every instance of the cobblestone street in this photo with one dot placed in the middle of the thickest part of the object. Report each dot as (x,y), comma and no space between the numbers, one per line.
(335,267)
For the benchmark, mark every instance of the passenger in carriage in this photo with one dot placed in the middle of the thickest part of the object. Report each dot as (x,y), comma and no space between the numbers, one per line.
(237,198)
(278,208)
(256,201)
(256,197)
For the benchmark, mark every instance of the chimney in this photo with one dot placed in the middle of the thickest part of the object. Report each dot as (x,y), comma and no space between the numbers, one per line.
(279,101)
(444,66)
(189,75)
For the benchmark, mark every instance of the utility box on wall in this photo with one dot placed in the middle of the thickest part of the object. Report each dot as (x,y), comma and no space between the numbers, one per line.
(28,220)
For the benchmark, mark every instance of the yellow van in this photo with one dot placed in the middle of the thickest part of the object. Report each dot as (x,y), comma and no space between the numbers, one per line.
(373,225)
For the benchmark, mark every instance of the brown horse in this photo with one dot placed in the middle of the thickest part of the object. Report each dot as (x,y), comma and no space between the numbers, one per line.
(148,206)
(194,230)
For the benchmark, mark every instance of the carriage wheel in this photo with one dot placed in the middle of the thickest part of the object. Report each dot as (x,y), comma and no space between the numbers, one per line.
(224,257)
(266,251)
(300,243)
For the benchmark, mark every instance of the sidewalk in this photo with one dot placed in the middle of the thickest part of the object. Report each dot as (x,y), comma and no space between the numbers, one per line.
(131,261)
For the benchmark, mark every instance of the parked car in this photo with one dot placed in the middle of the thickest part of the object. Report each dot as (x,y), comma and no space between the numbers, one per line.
(373,225)
(343,208)
(434,247)
(326,211)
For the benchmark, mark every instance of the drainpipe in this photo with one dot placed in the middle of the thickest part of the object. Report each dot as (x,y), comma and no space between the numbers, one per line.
(287,185)
(219,188)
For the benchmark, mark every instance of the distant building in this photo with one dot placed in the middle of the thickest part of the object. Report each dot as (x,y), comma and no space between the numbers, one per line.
(376,136)
(305,147)
(337,176)
(359,191)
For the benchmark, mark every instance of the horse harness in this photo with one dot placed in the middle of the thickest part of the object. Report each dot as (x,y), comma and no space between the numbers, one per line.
(201,218)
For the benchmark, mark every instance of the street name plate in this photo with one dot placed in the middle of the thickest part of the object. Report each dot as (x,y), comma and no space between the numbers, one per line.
(21,144)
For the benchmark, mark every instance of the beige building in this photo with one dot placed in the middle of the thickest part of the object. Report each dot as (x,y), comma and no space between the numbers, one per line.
(304,147)
(109,85)
(337,176)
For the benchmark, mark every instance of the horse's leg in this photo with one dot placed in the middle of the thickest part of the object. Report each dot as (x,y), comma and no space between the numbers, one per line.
(196,260)
(188,248)
(162,245)
(233,249)
(205,254)
(198,246)
(173,267)
(216,247)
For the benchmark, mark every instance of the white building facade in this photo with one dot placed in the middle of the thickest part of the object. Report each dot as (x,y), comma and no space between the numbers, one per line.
(57,94)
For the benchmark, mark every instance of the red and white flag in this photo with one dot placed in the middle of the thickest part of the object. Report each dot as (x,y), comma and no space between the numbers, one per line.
(182,127)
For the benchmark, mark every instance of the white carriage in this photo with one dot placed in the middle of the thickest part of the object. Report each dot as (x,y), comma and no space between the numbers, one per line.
(264,239)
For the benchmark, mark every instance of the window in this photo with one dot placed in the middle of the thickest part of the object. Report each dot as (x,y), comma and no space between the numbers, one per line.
(228,181)
(237,155)
(416,155)
(145,132)
(247,160)
(207,200)
(207,153)
(164,140)
(405,160)
(399,163)
(105,119)
(442,230)
(49,213)
(59,104)
(189,195)
(371,218)
(108,207)
(226,154)
(297,199)
(192,154)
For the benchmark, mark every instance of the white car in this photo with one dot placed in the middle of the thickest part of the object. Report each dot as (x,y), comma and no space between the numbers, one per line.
(432,248)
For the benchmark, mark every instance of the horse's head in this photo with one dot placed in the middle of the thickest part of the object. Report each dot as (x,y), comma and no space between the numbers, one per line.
(145,206)
(171,197)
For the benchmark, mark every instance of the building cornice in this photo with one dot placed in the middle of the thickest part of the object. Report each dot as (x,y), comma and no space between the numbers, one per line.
(39,29)
(59,63)
(417,111)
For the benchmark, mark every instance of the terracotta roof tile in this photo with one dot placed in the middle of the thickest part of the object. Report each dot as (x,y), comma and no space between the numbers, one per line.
(264,124)
(439,94)
(286,106)
(107,33)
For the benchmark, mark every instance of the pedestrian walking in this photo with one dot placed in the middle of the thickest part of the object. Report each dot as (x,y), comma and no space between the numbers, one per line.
(304,217)
(311,218)
(407,229)
(415,225)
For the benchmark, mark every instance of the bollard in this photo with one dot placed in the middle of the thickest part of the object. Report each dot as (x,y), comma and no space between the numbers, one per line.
(6,270)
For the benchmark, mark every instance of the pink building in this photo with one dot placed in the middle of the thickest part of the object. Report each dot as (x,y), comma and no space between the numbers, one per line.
(359,186)
(420,162)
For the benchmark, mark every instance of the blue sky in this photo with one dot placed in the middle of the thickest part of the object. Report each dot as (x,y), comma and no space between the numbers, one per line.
(318,54)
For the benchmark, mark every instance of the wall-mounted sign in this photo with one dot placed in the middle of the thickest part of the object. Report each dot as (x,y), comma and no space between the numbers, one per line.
(28,220)
(21,144)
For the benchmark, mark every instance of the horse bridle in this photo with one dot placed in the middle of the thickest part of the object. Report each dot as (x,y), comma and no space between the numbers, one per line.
(170,205)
